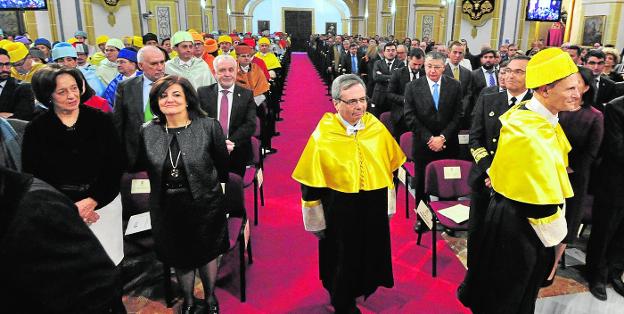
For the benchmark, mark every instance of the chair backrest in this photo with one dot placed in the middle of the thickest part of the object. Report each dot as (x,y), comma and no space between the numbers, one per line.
(406,145)
(255,148)
(234,196)
(385,118)
(258,128)
(448,178)
(133,203)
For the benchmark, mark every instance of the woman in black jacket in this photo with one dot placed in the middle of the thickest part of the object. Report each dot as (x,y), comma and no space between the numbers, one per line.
(185,155)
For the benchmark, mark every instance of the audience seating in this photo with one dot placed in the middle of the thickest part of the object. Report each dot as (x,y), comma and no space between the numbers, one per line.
(408,167)
(254,175)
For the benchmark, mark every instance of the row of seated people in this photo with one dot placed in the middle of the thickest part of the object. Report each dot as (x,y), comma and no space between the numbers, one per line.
(454,113)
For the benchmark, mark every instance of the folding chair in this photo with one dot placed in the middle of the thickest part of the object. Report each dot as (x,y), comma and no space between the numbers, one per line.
(238,227)
(254,175)
(448,188)
(387,121)
(408,167)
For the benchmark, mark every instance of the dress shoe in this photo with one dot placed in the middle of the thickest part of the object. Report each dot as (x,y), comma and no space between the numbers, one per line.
(598,290)
(190,309)
(548,282)
(618,284)
(268,151)
(213,308)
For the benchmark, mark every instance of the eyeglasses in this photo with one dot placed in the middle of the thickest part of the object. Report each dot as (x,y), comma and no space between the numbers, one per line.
(19,64)
(7,64)
(516,72)
(595,63)
(355,101)
(434,67)
(110,50)
(197,45)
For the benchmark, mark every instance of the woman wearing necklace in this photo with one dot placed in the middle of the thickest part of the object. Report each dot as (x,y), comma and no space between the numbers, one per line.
(186,158)
(75,149)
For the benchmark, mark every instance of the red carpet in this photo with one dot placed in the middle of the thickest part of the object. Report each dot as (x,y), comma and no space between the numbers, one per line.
(284,275)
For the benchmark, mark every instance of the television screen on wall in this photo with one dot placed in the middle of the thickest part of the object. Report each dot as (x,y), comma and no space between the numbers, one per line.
(543,10)
(23,5)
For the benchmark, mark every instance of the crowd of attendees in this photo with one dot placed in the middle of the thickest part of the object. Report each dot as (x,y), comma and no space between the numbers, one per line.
(75,118)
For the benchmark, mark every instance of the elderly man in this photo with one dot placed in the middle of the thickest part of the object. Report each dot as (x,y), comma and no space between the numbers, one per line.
(186,64)
(132,100)
(235,109)
(16,100)
(225,45)
(524,220)
(270,60)
(346,208)
(23,66)
(65,54)
(128,68)
(107,70)
(45,46)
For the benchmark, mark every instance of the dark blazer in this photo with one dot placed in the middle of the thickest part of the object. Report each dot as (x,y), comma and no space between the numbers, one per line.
(44,242)
(422,118)
(203,150)
(242,122)
(18,99)
(128,116)
(485,130)
(606,92)
(479,82)
(382,75)
(396,92)
(345,63)
(465,78)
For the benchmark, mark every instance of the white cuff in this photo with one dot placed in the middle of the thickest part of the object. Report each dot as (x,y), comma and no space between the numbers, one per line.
(313,215)
(259,99)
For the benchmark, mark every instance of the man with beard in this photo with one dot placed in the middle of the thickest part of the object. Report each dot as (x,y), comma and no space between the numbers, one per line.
(23,65)
(16,100)
(486,75)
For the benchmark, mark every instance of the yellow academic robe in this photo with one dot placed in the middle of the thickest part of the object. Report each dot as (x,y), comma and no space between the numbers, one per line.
(271,61)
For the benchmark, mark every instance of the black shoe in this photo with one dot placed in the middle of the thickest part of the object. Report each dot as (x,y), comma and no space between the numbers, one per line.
(618,285)
(598,290)
(270,151)
(188,309)
(212,308)
(548,282)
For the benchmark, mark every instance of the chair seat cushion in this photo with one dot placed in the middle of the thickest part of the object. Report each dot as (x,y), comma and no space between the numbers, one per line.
(446,222)
(234,227)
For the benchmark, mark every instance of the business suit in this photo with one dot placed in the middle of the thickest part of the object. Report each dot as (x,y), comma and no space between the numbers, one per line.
(381,75)
(346,64)
(465,78)
(335,54)
(483,141)
(479,82)
(605,249)
(396,95)
(129,116)
(606,92)
(18,99)
(242,122)
(425,121)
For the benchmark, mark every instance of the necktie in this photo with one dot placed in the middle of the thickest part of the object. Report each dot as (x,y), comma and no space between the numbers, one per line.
(147,110)
(414,75)
(491,81)
(513,101)
(223,112)
(456,72)
(390,65)
(354,68)
(436,95)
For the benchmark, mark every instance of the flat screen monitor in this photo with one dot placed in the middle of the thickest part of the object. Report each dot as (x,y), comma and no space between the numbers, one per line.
(543,10)
(23,5)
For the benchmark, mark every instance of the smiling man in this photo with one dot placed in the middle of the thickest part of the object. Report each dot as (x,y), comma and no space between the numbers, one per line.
(345,207)
(186,64)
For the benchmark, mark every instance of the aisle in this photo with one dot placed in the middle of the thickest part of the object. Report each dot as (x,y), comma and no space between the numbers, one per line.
(284,276)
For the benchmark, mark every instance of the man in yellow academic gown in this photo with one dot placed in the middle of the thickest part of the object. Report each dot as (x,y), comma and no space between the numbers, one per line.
(524,221)
(345,173)
(269,58)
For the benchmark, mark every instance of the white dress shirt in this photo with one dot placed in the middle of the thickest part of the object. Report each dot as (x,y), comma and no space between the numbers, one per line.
(518,98)
(537,107)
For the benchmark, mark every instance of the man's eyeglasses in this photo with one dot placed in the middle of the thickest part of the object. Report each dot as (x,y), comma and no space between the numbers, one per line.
(198,45)
(355,101)
(435,67)
(19,63)
(595,63)
(516,71)
(6,64)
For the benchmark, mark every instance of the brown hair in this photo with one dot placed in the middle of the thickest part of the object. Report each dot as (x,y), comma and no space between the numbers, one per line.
(192,99)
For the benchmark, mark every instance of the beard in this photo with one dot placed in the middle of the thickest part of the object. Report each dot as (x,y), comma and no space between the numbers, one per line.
(4,75)
(488,66)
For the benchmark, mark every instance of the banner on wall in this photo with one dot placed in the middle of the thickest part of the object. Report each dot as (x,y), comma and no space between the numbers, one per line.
(477,12)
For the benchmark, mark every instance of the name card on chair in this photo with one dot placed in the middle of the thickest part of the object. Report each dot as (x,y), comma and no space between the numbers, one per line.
(463,138)
(452,173)
(140,186)
(138,223)
(401,175)
(425,214)
(260,177)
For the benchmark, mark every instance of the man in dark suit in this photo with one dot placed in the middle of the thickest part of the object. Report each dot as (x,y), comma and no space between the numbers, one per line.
(235,109)
(432,109)
(605,87)
(16,100)
(605,250)
(396,88)
(351,63)
(483,140)
(131,108)
(382,72)
(484,76)
(463,75)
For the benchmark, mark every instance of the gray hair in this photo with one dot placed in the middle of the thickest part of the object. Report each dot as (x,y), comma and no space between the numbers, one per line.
(221,58)
(343,82)
(434,55)
(141,53)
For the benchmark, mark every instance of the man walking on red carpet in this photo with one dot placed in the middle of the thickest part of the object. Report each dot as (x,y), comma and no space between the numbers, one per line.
(345,173)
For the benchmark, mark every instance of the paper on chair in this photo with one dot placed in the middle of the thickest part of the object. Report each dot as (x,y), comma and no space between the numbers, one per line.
(452,173)
(140,186)
(423,211)
(108,230)
(402,175)
(457,213)
(139,222)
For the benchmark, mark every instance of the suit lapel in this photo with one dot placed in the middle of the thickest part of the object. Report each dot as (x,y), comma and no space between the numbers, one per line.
(235,104)
(426,93)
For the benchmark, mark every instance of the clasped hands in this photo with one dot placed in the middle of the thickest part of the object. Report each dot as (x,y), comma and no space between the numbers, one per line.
(86,210)
(230,145)
(436,143)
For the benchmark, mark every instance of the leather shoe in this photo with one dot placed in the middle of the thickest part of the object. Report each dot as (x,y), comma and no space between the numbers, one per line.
(598,290)
(617,283)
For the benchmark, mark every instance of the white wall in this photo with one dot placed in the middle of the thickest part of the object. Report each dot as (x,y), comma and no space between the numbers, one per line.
(122,27)
(509,22)
(324,11)
(483,35)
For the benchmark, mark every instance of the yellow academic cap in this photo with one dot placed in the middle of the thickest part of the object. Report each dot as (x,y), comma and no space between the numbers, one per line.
(17,51)
(547,66)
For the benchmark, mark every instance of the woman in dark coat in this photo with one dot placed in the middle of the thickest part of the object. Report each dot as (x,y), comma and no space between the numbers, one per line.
(73,147)
(185,155)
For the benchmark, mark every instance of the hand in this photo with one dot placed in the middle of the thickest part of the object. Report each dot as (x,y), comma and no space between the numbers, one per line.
(378,72)
(86,210)
(230,145)
(436,143)
(6,115)
(319,234)
(488,183)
